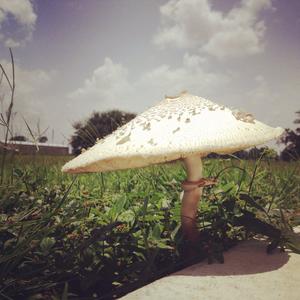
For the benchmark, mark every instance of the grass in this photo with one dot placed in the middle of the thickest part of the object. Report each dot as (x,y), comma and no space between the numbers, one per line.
(102,235)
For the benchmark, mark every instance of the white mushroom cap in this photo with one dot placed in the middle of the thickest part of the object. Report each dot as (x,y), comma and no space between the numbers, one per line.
(175,128)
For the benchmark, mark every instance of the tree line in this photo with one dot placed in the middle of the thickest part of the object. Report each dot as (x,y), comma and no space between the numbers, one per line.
(101,124)
(98,125)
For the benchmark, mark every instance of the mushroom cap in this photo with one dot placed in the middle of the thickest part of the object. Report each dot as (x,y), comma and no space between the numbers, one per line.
(175,128)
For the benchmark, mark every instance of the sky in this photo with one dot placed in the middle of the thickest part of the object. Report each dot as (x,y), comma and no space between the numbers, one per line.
(73,57)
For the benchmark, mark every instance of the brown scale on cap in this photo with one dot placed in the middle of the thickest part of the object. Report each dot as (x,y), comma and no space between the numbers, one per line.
(124,140)
(147,126)
(243,116)
(151,142)
(199,125)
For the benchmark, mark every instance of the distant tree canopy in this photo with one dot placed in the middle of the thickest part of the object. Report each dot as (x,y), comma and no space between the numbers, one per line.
(291,139)
(18,138)
(96,127)
(101,124)
(43,139)
(253,153)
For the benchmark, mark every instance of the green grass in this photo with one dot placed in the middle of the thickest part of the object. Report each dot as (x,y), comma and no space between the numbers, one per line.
(271,176)
(106,234)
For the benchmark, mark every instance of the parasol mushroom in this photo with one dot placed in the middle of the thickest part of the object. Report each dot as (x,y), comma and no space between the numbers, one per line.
(184,127)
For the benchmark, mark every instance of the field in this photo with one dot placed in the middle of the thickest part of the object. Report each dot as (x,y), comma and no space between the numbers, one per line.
(102,235)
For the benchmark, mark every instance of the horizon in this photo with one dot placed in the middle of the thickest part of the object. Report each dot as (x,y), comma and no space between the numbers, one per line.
(72,58)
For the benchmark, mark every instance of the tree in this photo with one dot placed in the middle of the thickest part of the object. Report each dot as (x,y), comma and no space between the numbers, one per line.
(18,138)
(96,127)
(242,154)
(43,139)
(255,153)
(291,139)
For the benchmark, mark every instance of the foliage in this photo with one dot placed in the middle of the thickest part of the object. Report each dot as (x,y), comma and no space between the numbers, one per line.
(43,139)
(96,127)
(291,139)
(253,153)
(103,235)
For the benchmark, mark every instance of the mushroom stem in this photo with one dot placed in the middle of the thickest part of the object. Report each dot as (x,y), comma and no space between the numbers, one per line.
(189,206)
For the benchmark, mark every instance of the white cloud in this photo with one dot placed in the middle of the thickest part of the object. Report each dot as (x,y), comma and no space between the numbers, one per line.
(11,43)
(261,91)
(191,75)
(24,22)
(271,103)
(110,86)
(106,88)
(195,24)
(30,95)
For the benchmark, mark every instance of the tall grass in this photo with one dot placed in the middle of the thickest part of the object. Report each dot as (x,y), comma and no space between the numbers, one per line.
(6,120)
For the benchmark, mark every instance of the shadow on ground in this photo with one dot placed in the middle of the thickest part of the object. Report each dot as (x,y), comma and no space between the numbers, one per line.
(248,257)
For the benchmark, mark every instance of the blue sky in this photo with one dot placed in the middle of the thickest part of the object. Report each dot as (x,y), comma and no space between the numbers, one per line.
(74,57)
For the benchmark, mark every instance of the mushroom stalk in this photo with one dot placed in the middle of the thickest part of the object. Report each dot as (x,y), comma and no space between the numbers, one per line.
(189,206)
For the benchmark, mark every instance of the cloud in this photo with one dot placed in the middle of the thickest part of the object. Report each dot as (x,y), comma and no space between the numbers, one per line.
(20,18)
(30,100)
(110,85)
(262,95)
(106,88)
(261,92)
(192,75)
(194,24)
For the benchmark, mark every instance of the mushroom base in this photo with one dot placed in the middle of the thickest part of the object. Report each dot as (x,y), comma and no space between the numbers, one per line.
(189,206)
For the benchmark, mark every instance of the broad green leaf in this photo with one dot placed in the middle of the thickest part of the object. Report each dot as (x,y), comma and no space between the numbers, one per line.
(156,232)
